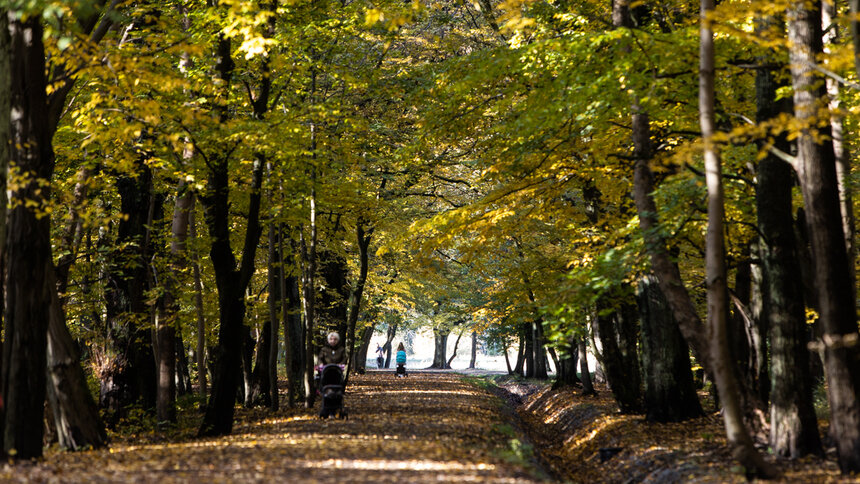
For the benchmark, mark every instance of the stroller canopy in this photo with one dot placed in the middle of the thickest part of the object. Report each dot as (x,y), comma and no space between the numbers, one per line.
(331,375)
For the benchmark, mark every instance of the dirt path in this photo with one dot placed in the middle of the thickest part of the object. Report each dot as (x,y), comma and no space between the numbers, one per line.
(429,427)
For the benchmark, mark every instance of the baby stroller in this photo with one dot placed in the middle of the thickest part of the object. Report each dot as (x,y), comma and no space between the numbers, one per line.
(331,389)
(401,370)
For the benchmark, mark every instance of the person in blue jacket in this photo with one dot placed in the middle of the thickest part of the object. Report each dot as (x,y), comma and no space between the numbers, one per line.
(400,359)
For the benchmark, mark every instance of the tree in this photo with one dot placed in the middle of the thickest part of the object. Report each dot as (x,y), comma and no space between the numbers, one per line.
(816,171)
(670,395)
(28,288)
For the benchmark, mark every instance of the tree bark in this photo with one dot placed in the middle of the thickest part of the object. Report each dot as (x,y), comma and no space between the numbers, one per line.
(587,385)
(621,367)
(717,285)
(363,238)
(28,281)
(454,353)
(566,373)
(198,310)
(389,337)
(166,329)
(793,424)
(670,395)
(129,375)
(76,415)
(529,351)
(440,348)
(819,185)
(474,354)
(231,284)
(840,150)
(276,303)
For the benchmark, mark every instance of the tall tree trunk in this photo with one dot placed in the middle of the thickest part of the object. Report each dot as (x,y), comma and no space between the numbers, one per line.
(840,150)
(474,354)
(198,310)
(389,337)
(258,393)
(529,350)
(566,369)
(454,353)
(231,284)
(793,424)
(621,367)
(717,285)
(183,375)
(166,329)
(670,395)
(363,348)
(817,174)
(508,360)
(275,301)
(440,348)
(587,386)
(540,351)
(76,415)
(5,146)
(28,283)
(294,342)
(309,266)
(363,238)
(130,373)
(519,367)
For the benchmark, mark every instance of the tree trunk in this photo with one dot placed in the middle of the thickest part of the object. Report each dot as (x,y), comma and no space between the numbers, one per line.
(587,386)
(166,329)
(258,389)
(231,284)
(363,348)
(309,264)
(717,285)
(76,415)
(5,146)
(817,174)
(274,301)
(793,424)
(129,375)
(454,353)
(440,348)
(566,373)
(540,351)
(621,367)
(183,375)
(293,335)
(198,310)
(670,395)
(529,350)
(739,332)
(392,331)
(840,150)
(474,356)
(28,283)
(363,238)
(521,354)
(508,361)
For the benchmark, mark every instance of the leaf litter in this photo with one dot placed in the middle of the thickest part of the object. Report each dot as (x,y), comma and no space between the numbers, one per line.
(428,427)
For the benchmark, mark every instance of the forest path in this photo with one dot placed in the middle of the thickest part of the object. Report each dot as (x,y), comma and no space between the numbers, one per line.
(427,427)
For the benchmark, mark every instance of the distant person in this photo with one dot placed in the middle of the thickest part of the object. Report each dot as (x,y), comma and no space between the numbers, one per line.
(380,356)
(401,360)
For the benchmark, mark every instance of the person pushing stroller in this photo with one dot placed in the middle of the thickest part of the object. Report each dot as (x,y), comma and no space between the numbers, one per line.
(332,358)
(400,359)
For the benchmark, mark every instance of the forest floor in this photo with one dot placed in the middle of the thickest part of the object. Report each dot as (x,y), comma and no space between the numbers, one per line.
(428,427)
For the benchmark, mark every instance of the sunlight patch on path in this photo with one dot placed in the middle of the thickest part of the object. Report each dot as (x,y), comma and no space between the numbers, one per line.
(383,465)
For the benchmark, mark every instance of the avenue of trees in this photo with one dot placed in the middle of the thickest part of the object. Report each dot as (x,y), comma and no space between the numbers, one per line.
(199,190)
